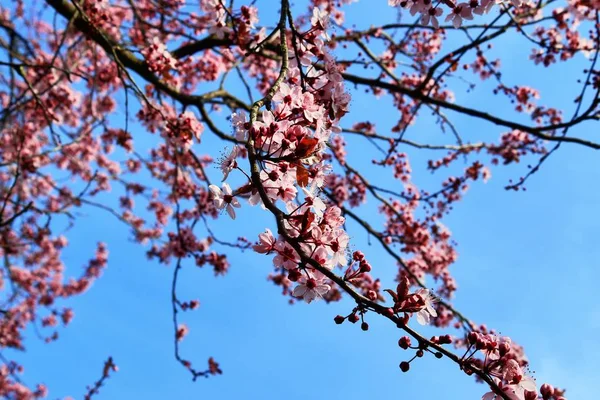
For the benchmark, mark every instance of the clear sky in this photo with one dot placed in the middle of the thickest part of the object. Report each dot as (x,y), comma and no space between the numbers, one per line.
(526,267)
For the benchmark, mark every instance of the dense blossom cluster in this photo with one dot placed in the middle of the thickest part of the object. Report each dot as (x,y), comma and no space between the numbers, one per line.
(64,80)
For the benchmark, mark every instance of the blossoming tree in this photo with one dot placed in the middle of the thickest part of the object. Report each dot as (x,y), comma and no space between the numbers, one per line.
(184,70)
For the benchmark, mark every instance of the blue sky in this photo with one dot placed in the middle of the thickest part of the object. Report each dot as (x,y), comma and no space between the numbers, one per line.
(525,267)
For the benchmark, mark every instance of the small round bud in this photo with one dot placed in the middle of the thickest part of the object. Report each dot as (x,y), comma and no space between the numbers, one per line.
(365,267)
(364,326)
(294,275)
(404,342)
(480,344)
(339,319)
(473,336)
(419,353)
(547,391)
(438,354)
(404,366)
(353,318)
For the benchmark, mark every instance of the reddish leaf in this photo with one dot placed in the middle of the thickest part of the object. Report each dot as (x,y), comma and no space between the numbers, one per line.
(301,175)
(392,293)
(403,287)
(306,147)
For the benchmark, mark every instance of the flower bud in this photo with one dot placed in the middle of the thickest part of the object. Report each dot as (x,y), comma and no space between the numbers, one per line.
(353,318)
(365,267)
(404,366)
(547,391)
(473,336)
(504,348)
(364,326)
(339,319)
(404,342)
(294,275)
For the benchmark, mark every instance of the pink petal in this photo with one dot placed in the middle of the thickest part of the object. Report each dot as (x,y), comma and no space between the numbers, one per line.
(299,291)
(230,211)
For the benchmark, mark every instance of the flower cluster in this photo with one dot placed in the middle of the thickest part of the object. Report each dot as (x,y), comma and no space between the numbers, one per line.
(430,10)
(159,59)
(180,131)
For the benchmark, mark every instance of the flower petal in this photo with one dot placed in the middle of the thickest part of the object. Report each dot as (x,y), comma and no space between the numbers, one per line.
(230,211)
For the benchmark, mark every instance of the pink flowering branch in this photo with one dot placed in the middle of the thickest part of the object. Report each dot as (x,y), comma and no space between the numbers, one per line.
(61,86)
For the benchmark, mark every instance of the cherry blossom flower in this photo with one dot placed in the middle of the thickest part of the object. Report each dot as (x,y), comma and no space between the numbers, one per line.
(423,315)
(239,120)
(314,202)
(291,96)
(266,242)
(518,381)
(224,199)
(320,20)
(339,246)
(286,256)
(461,11)
(491,395)
(228,163)
(430,15)
(310,288)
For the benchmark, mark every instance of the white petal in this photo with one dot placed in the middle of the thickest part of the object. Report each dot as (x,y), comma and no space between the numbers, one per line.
(528,384)
(299,290)
(310,295)
(219,203)
(214,189)
(489,396)
(423,318)
(230,211)
(457,22)
(431,310)
(322,289)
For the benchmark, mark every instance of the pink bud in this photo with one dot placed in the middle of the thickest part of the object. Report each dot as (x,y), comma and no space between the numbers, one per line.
(473,336)
(404,342)
(294,275)
(530,395)
(547,391)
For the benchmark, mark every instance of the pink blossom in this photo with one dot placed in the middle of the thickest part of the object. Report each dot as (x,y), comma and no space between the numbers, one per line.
(286,256)
(266,242)
(224,199)
(314,202)
(320,20)
(423,315)
(461,11)
(239,120)
(430,15)
(228,163)
(310,288)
